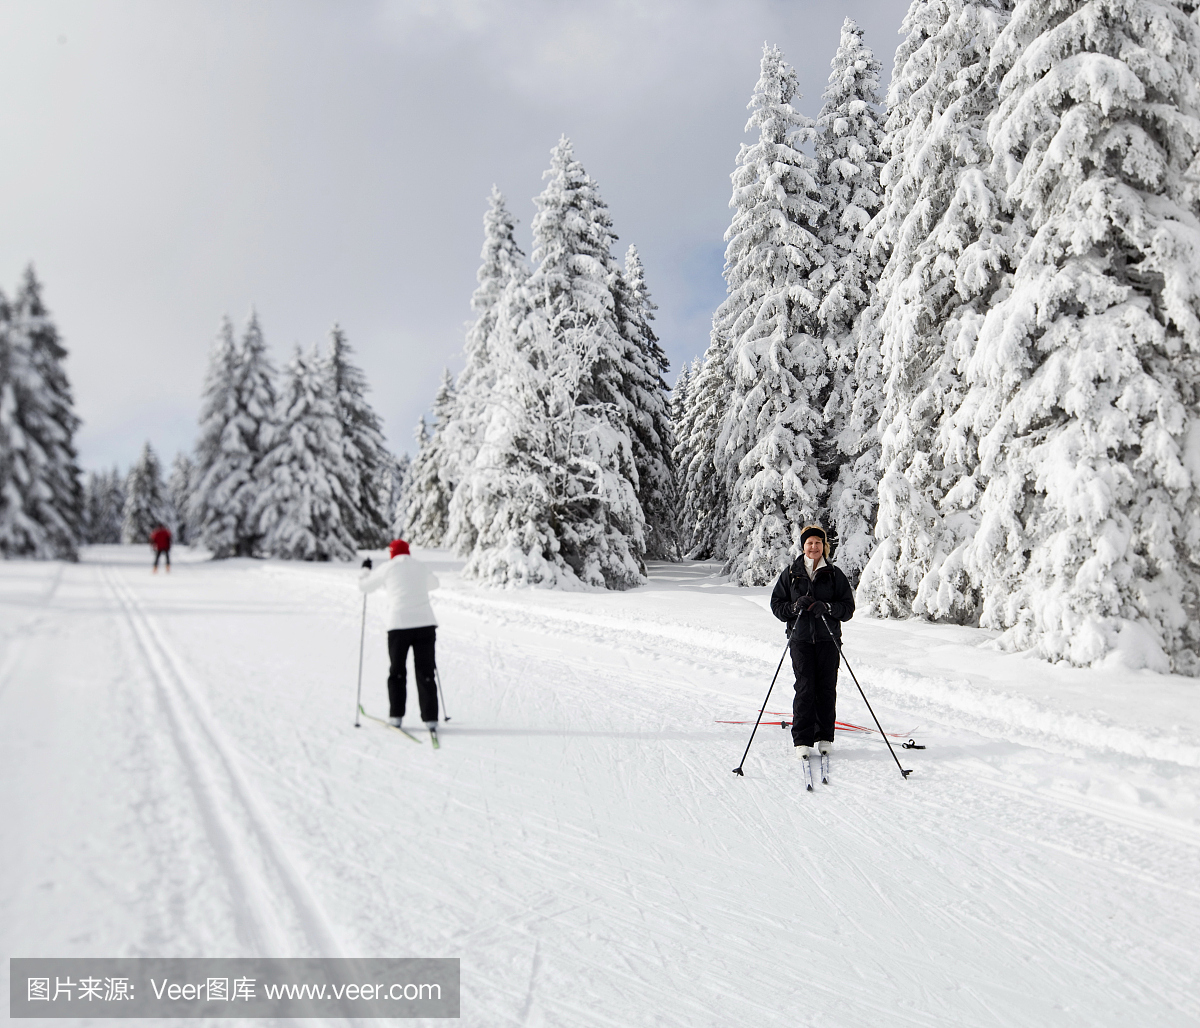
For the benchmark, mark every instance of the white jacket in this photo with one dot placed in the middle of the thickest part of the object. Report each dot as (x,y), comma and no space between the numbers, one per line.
(408,582)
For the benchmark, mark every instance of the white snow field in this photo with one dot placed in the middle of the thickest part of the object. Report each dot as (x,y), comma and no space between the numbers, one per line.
(182,777)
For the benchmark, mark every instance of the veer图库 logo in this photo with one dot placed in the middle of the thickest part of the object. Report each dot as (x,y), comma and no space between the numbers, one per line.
(233,987)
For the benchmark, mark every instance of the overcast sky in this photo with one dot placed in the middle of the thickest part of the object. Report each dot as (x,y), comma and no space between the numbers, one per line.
(168,163)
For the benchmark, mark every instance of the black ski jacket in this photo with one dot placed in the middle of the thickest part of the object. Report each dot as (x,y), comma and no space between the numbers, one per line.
(829,585)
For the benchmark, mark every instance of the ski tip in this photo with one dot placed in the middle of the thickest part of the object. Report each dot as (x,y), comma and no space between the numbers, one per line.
(808,788)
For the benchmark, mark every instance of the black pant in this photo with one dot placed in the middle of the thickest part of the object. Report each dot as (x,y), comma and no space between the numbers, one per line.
(815,705)
(162,553)
(422,642)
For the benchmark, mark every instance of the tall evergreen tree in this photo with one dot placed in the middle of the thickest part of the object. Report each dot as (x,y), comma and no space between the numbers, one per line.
(236,430)
(502,264)
(223,460)
(41,495)
(1085,380)
(776,360)
(146,503)
(430,486)
(705,505)
(179,489)
(948,242)
(544,457)
(104,506)
(645,390)
(367,492)
(399,475)
(303,477)
(849,159)
(601,532)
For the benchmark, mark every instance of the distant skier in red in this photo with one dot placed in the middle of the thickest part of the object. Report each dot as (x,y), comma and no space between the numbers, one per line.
(160,539)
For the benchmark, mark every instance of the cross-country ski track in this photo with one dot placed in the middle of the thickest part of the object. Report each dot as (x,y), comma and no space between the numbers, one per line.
(184,778)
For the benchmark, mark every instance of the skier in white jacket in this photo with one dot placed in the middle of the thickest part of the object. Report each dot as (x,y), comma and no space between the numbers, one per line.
(410,622)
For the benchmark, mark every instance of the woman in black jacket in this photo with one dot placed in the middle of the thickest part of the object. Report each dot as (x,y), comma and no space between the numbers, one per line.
(806,591)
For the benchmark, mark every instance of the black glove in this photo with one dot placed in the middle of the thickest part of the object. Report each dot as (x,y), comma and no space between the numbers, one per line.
(801,604)
(367,564)
(819,608)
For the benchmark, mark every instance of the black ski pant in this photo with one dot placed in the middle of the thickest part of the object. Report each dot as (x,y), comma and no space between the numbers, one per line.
(815,706)
(422,642)
(162,553)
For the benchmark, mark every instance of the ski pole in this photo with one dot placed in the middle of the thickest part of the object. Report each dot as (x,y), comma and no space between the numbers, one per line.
(362,635)
(438,676)
(738,770)
(842,656)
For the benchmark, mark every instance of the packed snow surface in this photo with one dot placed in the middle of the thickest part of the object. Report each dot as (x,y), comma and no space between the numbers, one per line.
(183,778)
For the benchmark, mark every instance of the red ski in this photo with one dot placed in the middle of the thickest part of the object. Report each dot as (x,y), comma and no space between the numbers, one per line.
(841,726)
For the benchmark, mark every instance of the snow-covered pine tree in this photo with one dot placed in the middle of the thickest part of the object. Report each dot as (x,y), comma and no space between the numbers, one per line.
(41,495)
(1085,381)
(509,491)
(398,477)
(948,242)
(434,472)
(776,361)
(258,403)
(643,366)
(849,159)
(222,457)
(602,527)
(235,431)
(704,504)
(108,510)
(367,493)
(503,263)
(302,478)
(146,503)
(179,488)
(101,518)
(542,455)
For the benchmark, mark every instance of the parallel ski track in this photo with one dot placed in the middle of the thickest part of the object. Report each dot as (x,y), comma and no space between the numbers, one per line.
(271,899)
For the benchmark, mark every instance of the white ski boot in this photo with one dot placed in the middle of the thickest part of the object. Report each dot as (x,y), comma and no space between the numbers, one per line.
(803,753)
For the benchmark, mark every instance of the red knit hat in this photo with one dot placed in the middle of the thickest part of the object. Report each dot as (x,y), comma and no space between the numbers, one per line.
(397,547)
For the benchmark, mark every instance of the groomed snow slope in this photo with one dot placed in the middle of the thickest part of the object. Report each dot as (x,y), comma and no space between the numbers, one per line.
(183,778)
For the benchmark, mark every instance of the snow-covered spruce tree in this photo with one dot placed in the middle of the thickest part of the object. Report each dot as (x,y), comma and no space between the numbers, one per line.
(398,478)
(948,244)
(367,493)
(601,526)
(509,491)
(146,502)
(303,477)
(502,263)
(179,489)
(103,506)
(677,407)
(542,455)
(107,507)
(235,432)
(643,366)
(849,159)
(1085,381)
(776,361)
(434,472)
(41,495)
(704,503)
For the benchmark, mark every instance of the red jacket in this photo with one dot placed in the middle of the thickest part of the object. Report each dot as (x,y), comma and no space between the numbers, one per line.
(160,539)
